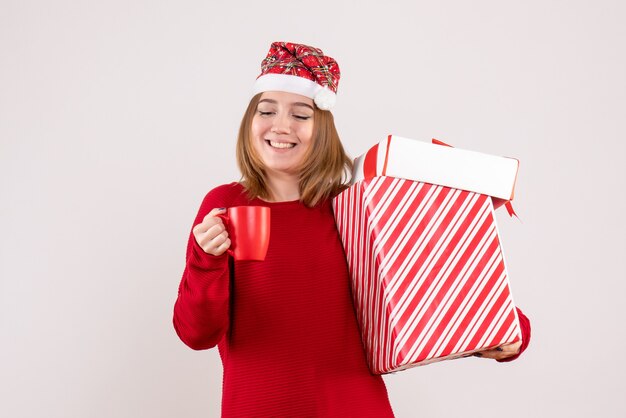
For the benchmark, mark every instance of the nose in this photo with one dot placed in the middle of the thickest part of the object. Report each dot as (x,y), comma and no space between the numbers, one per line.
(280,124)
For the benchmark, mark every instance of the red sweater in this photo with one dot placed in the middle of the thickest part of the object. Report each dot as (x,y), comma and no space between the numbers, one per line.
(285,327)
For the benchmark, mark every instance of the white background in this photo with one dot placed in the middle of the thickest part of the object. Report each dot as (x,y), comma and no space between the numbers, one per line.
(117,117)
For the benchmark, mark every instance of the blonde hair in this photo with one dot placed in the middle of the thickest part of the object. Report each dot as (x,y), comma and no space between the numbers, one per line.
(324,172)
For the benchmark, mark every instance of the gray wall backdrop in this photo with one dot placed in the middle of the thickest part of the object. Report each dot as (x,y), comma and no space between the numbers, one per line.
(117,117)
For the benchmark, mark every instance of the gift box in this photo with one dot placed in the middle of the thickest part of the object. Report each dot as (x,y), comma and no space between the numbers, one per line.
(428,275)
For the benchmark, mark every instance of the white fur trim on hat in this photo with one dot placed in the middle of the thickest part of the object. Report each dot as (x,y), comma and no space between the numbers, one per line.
(323,97)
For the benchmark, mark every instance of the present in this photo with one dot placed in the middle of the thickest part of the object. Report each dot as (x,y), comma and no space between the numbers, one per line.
(428,275)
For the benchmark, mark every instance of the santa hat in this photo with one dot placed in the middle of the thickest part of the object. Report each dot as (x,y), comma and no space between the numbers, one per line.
(299,69)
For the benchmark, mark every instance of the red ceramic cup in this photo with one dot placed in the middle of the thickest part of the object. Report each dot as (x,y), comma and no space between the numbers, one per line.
(249,231)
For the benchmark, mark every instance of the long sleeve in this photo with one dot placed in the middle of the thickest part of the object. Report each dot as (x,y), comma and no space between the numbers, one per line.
(524,323)
(201,311)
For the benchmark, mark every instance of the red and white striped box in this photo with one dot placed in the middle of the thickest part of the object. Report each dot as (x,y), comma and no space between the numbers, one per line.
(428,275)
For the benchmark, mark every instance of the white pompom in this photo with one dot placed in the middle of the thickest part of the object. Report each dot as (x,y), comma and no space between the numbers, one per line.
(325,99)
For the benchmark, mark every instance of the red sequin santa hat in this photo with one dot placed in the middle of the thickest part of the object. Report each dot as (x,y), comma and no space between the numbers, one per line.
(299,69)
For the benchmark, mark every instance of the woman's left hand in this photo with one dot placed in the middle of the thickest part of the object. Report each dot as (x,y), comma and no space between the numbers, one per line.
(502,352)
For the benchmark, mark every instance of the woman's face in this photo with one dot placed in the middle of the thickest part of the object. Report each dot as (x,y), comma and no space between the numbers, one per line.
(281,130)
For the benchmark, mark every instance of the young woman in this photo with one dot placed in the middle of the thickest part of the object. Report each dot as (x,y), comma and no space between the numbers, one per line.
(285,327)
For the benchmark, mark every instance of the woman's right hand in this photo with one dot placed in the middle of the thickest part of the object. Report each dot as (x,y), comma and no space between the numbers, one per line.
(211,234)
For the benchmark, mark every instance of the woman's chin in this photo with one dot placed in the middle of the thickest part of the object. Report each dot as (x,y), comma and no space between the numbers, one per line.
(282,170)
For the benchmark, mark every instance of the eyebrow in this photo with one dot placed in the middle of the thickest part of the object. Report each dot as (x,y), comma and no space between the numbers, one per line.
(293,104)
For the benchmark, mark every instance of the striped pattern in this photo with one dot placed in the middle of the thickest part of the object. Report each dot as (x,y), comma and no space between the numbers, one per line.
(428,275)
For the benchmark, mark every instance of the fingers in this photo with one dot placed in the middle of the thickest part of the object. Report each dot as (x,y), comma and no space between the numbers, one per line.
(216,245)
(211,234)
(502,352)
(215,241)
(209,220)
(216,211)
(222,248)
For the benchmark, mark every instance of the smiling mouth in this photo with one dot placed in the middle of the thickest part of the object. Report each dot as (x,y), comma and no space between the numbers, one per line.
(281,145)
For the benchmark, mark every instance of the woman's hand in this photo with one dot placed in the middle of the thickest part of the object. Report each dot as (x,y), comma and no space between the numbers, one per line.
(502,352)
(211,235)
